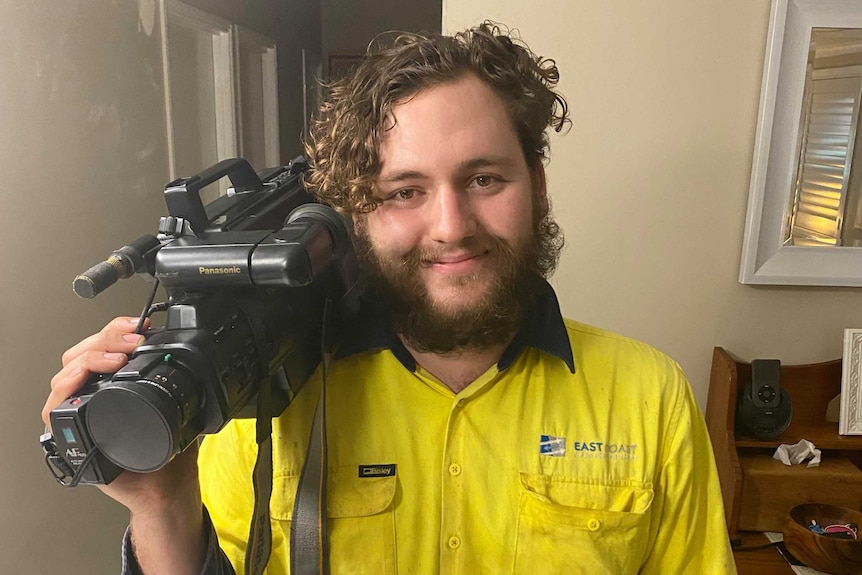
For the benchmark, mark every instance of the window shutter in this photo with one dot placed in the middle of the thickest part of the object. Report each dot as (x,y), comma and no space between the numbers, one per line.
(829,132)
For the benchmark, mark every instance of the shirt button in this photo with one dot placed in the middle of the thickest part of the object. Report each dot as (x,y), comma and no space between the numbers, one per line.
(594,524)
(455,469)
(454,542)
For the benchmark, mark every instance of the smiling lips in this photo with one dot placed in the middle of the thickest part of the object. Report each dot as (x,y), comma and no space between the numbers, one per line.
(455,263)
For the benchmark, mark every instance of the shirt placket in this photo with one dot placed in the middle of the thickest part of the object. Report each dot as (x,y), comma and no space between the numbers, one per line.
(452,520)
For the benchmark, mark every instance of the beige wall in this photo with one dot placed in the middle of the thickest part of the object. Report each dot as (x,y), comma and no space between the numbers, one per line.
(651,183)
(83,163)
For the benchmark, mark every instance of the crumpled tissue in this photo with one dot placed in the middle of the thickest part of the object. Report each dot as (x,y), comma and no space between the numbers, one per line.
(798,453)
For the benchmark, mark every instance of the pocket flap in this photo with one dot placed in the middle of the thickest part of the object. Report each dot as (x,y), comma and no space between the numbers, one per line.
(629,496)
(347,494)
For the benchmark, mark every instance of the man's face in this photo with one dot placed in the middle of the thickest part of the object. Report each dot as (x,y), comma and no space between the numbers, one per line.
(460,206)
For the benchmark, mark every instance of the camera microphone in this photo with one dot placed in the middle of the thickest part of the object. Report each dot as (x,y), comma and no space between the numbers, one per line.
(121,264)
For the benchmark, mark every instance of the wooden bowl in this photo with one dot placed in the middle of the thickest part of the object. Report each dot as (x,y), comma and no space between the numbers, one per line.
(822,552)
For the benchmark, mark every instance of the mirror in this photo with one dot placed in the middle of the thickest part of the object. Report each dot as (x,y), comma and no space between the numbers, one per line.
(824,208)
(804,221)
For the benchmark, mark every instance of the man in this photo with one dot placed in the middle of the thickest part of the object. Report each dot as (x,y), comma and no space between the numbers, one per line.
(471,429)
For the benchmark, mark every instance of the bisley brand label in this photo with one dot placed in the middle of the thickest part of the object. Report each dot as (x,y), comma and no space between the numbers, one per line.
(387,470)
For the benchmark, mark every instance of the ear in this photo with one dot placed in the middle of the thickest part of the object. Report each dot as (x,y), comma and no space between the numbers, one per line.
(540,188)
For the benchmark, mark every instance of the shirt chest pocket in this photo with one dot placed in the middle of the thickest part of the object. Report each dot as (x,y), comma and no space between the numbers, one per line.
(360,521)
(570,525)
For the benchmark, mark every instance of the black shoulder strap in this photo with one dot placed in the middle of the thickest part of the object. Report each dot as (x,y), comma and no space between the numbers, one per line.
(260,532)
(309,549)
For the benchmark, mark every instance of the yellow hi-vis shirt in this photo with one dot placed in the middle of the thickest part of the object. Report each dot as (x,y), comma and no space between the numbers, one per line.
(580,452)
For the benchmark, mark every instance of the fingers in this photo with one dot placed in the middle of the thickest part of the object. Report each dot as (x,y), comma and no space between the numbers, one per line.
(118,336)
(104,352)
(73,376)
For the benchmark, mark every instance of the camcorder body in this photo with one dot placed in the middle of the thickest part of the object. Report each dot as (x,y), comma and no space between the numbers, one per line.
(258,283)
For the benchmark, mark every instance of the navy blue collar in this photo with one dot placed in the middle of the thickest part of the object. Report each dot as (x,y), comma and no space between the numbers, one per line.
(544,330)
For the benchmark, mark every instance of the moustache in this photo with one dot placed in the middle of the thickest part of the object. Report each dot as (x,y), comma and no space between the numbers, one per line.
(464,249)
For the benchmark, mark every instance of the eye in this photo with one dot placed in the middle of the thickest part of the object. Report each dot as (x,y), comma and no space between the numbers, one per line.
(484,181)
(403,196)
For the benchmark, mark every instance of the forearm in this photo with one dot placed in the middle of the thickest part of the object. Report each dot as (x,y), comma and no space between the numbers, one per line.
(171,541)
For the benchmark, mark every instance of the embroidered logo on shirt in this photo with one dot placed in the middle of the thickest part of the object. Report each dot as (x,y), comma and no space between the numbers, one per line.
(552,446)
(387,470)
(605,450)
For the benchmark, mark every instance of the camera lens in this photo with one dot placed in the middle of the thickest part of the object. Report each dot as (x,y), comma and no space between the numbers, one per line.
(138,424)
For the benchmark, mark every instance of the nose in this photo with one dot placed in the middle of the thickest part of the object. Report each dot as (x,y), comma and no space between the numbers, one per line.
(452,218)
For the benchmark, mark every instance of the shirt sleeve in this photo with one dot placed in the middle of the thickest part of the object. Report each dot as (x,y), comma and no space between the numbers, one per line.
(691,534)
(215,562)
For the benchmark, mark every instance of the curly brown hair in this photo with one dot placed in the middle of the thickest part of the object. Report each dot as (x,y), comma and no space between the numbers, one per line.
(345,137)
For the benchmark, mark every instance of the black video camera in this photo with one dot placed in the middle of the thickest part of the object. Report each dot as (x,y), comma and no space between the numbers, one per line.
(256,282)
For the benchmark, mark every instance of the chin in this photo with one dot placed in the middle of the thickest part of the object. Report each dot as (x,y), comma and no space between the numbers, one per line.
(457,299)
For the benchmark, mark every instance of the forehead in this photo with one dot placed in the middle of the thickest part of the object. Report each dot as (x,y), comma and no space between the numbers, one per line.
(447,125)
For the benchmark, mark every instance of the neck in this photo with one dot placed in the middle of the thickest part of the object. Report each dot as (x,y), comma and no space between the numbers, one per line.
(458,369)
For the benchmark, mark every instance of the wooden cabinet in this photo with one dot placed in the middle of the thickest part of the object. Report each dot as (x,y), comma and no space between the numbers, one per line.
(758,490)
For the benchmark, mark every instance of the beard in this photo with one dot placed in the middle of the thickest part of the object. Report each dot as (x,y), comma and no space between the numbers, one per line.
(517,272)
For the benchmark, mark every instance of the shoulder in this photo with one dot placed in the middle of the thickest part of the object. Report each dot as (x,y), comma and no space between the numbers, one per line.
(602,353)
(591,340)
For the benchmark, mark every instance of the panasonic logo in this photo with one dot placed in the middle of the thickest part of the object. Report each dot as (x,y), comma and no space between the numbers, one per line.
(204,271)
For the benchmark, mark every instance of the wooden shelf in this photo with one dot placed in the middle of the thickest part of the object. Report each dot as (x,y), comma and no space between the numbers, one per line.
(823,435)
(772,489)
(758,490)
(836,467)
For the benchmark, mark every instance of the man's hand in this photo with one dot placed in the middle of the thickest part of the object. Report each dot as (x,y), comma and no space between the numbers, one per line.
(165,506)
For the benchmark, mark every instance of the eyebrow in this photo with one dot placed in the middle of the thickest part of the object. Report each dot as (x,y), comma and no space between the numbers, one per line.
(471,164)
(403,175)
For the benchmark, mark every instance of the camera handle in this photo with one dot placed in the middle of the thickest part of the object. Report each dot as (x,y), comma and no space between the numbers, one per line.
(183,194)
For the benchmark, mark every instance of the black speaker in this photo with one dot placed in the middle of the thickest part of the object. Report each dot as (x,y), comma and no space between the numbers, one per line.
(763,409)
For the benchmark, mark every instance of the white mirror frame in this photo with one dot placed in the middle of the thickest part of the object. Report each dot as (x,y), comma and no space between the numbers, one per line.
(850,415)
(765,258)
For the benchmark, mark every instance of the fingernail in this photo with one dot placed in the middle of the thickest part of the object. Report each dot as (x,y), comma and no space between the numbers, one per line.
(114,356)
(132,337)
(134,320)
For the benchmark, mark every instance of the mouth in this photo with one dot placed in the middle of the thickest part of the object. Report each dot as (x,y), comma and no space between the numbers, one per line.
(455,263)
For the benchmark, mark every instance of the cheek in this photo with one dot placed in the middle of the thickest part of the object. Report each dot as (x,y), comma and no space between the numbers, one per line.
(391,234)
(511,218)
